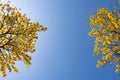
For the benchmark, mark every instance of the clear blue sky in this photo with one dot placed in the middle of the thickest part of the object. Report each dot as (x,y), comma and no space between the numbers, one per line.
(65,51)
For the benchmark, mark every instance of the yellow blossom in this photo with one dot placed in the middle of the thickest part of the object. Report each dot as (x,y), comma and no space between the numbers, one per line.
(18,36)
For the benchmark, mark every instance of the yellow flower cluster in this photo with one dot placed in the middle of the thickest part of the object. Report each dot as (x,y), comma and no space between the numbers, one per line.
(18,36)
(105,27)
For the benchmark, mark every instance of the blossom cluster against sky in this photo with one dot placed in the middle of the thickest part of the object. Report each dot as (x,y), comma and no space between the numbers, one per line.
(65,51)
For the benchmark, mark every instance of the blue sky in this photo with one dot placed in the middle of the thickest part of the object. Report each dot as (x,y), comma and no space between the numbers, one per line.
(65,51)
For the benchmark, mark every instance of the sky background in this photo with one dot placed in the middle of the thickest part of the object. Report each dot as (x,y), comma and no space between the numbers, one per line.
(65,51)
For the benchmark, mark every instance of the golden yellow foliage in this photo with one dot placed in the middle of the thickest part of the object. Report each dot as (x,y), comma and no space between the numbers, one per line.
(105,26)
(18,36)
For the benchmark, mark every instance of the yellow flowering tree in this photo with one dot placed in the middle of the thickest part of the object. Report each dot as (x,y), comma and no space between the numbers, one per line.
(105,27)
(18,36)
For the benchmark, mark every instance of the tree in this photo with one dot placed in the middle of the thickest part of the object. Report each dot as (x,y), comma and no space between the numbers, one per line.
(18,36)
(105,27)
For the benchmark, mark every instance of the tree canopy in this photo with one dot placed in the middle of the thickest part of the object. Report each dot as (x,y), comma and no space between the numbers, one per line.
(18,36)
(105,27)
